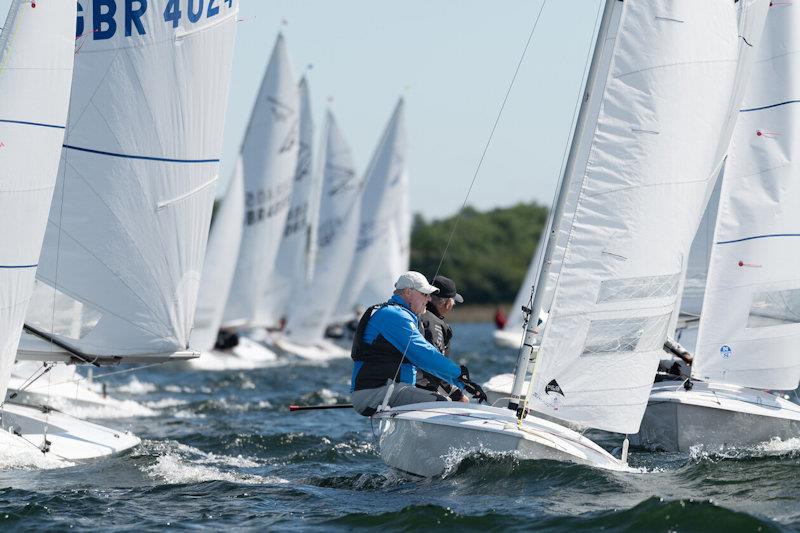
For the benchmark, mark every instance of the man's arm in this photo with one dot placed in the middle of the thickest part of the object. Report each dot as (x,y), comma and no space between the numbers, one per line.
(401,331)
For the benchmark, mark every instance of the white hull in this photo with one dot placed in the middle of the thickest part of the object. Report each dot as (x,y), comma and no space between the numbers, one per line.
(70,439)
(320,351)
(508,338)
(715,416)
(248,355)
(426,439)
(77,398)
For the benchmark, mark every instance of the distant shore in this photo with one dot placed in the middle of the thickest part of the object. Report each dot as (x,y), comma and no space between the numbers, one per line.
(476,312)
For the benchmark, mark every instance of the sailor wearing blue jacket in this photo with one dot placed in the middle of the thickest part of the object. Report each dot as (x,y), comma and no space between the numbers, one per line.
(388,338)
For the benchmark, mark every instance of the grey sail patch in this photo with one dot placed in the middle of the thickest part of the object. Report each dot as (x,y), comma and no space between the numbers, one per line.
(617,290)
(620,335)
(774,308)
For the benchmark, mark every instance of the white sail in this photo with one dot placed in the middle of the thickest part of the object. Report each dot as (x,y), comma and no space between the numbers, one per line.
(378,260)
(128,227)
(292,267)
(221,254)
(269,158)
(36,58)
(750,326)
(637,209)
(337,231)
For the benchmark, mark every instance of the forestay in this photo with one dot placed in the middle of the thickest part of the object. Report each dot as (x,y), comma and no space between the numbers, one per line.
(515,316)
(378,259)
(292,263)
(36,57)
(269,158)
(221,253)
(645,173)
(337,231)
(128,227)
(750,326)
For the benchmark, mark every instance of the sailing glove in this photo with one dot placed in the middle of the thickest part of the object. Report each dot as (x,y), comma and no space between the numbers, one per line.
(470,386)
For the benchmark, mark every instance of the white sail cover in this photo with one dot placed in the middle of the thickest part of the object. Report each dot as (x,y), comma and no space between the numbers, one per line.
(36,55)
(337,231)
(221,254)
(291,270)
(269,159)
(750,327)
(128,227)
(645,175)
(378,260)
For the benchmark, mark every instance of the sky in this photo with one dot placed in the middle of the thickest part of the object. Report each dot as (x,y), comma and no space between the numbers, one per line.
(453,61)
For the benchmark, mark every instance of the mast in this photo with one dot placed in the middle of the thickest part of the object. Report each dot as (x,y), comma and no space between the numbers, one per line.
(526,349)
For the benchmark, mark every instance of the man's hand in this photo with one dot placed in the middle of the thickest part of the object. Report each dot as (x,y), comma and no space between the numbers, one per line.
(470,386)
(463,399)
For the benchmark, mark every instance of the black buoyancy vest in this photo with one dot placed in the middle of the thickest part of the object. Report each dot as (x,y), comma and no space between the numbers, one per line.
(379,359)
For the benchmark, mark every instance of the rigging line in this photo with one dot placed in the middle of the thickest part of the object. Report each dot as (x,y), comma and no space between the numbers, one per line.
(472,183)
(105,375)
(491,135)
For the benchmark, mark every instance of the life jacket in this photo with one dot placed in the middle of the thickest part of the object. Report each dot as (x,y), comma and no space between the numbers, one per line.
(379,359)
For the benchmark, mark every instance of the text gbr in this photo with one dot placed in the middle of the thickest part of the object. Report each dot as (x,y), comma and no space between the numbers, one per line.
(105,15)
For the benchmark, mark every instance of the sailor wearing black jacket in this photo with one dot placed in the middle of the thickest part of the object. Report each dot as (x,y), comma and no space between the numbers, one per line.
(439,333)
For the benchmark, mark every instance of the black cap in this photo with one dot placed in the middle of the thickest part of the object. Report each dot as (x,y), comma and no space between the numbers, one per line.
(447,289)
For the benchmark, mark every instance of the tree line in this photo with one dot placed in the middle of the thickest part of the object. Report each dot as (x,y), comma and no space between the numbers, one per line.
(489,253)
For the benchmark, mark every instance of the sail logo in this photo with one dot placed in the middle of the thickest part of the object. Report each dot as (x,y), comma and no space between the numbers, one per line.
(553,387)
(725,351)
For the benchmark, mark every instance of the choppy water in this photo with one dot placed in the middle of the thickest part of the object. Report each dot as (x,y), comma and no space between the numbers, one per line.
(220,451)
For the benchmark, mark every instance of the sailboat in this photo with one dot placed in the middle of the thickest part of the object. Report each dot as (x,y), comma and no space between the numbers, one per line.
(661,82)
(512,333)
(338,219)
(381,251)
(268,161)
(36,63)
(127,230)
(745,352)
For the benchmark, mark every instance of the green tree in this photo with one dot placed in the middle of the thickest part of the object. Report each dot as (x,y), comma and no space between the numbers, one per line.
(488,254)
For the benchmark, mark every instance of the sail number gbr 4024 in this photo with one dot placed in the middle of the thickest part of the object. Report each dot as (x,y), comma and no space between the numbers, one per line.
(110,16)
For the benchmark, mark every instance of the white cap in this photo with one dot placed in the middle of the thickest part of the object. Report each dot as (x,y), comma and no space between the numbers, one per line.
(416,281)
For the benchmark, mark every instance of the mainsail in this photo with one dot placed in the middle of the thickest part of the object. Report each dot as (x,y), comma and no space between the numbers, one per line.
(269,159)
(644,180)
(221,253)
(379,259)
(750,325)
(36,59)
(337,231)
(127,231)
(292,263)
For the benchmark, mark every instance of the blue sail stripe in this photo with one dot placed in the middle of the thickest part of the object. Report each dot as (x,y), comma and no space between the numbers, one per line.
(143,157)
(26,123)
(19,266)
(769,106)
(770,236)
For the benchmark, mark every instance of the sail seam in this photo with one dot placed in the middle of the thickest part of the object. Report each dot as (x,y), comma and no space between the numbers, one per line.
(770,106)
(28,123)
(140,157)
(767,236)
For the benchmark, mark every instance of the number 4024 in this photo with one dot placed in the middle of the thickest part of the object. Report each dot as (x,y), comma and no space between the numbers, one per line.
(104,12)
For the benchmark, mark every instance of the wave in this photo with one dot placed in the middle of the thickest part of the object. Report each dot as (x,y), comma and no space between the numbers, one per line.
(178,464)
(653,514)
(20,455)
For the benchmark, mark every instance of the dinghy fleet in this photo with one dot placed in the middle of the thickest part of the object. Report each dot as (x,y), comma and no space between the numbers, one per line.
(675,216)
